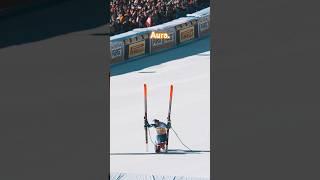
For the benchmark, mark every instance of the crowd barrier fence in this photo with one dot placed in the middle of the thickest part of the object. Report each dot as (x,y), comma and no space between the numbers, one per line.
(137,43)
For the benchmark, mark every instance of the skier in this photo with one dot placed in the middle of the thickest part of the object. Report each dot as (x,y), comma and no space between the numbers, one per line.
(162,136)
(162,128)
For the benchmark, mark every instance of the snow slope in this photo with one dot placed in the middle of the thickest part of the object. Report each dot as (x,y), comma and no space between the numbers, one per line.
(188,69)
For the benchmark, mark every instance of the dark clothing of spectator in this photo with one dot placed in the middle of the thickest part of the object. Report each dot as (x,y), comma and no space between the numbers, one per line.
(130,14)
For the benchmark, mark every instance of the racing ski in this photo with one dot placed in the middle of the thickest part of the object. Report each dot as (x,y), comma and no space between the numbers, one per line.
(145,114)
(169,114)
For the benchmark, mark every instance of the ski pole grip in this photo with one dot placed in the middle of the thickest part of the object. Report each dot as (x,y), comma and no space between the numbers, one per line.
(145,90)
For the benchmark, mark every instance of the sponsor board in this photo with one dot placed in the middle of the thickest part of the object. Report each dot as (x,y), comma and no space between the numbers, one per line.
(204,26)
(186,34)
(159,42)
(116,50)
(137,49)
(159,35)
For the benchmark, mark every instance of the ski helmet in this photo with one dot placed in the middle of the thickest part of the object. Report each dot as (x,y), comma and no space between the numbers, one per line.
(156,121)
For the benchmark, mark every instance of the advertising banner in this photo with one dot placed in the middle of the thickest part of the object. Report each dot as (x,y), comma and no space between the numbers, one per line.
(204,26)
(116,49)
(160,42)
(137,49)
(186,34)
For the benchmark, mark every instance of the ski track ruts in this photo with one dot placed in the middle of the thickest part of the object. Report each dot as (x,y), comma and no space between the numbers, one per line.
(129,176)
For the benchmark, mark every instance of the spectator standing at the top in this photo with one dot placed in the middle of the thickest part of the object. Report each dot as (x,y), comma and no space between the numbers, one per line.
(129,14)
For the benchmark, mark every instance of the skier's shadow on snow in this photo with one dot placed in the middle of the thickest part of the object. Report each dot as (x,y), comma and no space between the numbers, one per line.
(170,152)
(193,48)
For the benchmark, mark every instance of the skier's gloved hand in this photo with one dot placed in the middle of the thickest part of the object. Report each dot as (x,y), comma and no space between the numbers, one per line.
(146,124)
(169,125)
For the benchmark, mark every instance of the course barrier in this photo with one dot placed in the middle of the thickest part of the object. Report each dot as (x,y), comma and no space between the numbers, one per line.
(138,42)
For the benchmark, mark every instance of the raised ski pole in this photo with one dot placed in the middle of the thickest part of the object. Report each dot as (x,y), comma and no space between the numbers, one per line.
(169,114)
(145,115)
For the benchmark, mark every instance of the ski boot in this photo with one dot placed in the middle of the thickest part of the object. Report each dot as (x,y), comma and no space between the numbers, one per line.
(157,148)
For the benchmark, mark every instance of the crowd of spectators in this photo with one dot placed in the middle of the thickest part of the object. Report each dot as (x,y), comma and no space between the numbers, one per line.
(130,14)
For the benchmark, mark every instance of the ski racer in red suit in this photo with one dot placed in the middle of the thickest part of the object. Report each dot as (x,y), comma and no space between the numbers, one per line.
(162,137)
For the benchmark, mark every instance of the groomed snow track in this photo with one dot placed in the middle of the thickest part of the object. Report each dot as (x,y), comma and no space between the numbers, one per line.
(119,176)
(188,69)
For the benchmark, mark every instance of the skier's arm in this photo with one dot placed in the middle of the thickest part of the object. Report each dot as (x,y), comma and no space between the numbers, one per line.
(146,124)
(152,125)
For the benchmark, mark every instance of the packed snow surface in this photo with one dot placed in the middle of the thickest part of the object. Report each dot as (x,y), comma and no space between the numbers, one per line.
(188,69)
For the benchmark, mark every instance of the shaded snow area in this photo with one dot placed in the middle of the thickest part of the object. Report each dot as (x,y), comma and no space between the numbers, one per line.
(116,176)
(188,69)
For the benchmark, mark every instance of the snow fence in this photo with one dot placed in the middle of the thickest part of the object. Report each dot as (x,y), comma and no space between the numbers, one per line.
(123,176)
(137,43)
